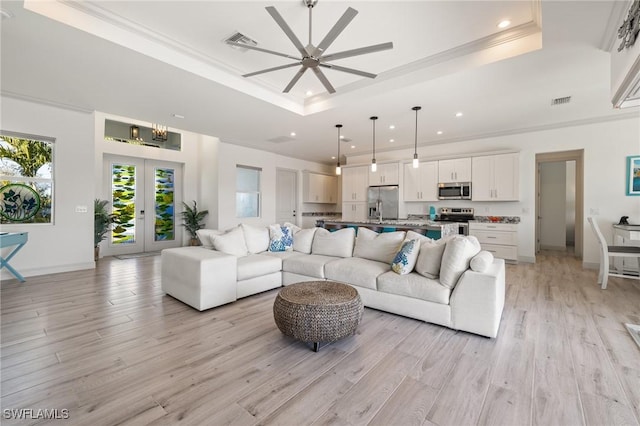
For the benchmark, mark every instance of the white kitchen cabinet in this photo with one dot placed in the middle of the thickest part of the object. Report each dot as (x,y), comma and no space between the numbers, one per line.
(454,170)
(355,181)
(495,177)
(387,174)
(421,184)
(354,212)
(320,188)
(501,239)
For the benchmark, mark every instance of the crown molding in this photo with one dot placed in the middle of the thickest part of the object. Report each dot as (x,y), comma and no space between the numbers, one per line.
(33,99)
(616,17)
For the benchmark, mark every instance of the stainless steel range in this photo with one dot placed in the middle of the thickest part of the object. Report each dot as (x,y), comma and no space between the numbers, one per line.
(459,215)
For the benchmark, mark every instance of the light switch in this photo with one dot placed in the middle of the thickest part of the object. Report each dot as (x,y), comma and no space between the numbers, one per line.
(81,209)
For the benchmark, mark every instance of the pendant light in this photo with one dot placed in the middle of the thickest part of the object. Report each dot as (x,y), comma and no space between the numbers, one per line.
(374,167)
(338,169)
(416,163)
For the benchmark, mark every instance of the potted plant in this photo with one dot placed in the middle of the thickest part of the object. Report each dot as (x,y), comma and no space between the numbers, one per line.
(192,221)
(102,221)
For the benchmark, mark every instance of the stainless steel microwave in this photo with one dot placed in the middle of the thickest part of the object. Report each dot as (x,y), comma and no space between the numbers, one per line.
(454,191)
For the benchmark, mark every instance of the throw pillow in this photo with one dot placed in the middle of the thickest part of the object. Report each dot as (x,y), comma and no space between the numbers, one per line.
(338,243)
(280,238)
(302,238)
(481,261)
(256,238)
(430,258)
(405,260)
(206,237)
(294,228)
(412,235)
(457,255)
(379,247)
(232,242)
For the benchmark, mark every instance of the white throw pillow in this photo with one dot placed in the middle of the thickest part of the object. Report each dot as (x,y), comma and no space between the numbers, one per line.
(405,260)
(295,228)
(457,255)
(256,238)
(280,238)
(232,242)
(379,247)
(338,243)
(481,261)
(206,237)
(302,238)
(412,235)
(430,258)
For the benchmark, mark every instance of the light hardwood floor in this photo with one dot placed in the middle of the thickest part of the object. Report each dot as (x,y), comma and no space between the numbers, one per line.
(107,345)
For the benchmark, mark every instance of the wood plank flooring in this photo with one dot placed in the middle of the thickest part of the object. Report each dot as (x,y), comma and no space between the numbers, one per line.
(110,348)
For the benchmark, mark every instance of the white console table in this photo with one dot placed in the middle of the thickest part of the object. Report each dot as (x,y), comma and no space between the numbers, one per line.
(626,235)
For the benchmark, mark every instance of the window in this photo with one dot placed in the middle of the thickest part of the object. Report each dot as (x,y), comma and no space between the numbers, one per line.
(26,178)
(247,191)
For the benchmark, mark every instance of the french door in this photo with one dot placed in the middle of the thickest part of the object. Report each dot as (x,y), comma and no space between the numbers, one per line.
(145,196)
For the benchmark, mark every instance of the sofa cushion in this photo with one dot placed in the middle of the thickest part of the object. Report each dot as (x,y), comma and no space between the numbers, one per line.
(231,242)
(356,271)
(256,238)
(280,238)
(379,247)
(257,265)
(311,265)
(430,258)
(302,238)
(206,237)
(281,254)
(338,243)
(406,258)
(481,261)
(458,253)
(415,286)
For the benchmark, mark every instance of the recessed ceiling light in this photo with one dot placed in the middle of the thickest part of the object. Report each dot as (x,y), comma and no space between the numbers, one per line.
(353,146)
(309,93)
(292,134)
(439,132)
(392,127)
(341,136)
(392,140)
(459,114)
(504,24)
(178,116)
(333,158)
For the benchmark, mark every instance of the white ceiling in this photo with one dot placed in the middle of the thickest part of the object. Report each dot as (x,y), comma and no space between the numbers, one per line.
(149,60)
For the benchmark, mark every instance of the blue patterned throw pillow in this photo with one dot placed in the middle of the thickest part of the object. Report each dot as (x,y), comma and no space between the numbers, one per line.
(280,238)
(406,257)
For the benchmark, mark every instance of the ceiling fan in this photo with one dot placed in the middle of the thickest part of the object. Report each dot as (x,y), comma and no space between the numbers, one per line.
(313,57)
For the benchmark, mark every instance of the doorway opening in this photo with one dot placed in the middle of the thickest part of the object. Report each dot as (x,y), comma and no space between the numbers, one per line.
(559,202)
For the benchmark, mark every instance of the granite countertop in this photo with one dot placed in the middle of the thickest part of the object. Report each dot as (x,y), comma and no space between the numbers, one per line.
(497,219)
(401,222)
(321,214)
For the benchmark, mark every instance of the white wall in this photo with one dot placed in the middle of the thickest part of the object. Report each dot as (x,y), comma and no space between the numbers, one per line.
(67,244)
(571,203)
(606,146)
(553,204)
(232,155)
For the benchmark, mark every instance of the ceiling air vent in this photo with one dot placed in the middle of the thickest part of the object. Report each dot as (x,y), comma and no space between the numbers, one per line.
(281,139)
(561,101)
(240,38)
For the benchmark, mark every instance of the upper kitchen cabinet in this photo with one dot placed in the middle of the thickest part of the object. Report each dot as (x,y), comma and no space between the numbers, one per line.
(496,178)
(421,184)
(320,188)
(454,170)
(355,181)
(387,174)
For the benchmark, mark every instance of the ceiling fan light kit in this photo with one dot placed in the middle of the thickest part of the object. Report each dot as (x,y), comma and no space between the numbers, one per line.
(314,57)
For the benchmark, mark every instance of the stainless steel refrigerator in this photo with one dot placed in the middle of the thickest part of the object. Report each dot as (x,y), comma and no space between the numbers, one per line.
(383,202)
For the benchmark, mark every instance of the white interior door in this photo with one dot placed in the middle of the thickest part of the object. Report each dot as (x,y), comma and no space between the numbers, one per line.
(286,195)
(145,196)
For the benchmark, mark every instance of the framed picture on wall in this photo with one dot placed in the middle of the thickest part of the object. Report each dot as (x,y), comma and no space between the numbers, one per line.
(633,175)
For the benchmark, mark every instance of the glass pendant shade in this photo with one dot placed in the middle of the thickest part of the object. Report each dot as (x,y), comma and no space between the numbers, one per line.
(374,166)
(416,162)
(338,168)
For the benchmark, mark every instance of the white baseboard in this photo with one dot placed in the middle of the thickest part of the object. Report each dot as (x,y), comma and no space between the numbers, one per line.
(33,272)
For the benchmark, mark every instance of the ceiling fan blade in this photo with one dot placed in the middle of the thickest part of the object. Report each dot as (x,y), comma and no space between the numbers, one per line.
(337,28)
(295,79)
(259,49)
(271,69)
(287,30)
(323,79)
(358,51)
(349,70)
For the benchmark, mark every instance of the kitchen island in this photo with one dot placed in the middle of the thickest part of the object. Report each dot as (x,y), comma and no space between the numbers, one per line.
(430,228)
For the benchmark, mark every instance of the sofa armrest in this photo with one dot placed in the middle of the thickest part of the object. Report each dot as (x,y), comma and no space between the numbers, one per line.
(478,299)
(199,277)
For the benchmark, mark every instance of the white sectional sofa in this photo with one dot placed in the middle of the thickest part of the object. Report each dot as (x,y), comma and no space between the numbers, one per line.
(453,283)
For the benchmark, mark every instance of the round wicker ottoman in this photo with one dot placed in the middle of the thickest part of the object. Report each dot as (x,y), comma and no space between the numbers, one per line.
(318,311)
